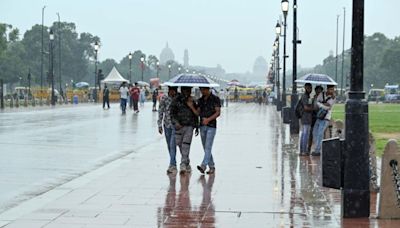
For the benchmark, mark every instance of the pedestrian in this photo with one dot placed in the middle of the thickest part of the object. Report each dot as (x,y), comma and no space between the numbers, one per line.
(165,123)
(143,92)
(124,93)
(265,100)
(324,116)
(209,110)
(185,120)
(306,119)
(135,92)
(155,97)
(130,97)
(106,97)
(318,90)
(222,97)
(236,94)
(227,97)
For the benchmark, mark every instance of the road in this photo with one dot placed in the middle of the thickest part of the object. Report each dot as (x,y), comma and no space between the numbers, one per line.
(41,149)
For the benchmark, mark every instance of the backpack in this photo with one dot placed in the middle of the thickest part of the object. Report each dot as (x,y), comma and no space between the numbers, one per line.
(321,114)
(299,110)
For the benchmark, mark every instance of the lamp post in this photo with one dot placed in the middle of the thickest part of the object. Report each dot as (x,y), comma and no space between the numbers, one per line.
(51,67)
(285,9)
(142,65)
(29,82)
(96,50)
(1,94)
(59,54)
(179,70)
(42,52)
(130,67)
(276,48)
(344,35)
(355,191)
(337,46)
(294,123)
(169,71)
(158,69)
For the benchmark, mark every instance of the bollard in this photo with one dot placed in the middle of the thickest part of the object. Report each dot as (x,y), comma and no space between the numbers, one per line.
(332,163)
(389,198)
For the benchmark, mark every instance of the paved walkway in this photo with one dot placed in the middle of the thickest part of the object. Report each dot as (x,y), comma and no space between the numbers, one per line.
(260,181)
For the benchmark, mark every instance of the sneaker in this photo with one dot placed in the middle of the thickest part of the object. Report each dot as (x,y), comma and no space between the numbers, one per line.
(171,169)
(211,170)
(182,169)
(201,168)
(314,153)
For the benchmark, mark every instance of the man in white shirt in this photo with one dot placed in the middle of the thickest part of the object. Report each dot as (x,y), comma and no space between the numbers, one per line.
(124,93)
(323,120)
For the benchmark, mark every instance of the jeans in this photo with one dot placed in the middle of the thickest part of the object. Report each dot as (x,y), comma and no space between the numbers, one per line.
(207,138)
(123,104)
(318,133)
(183,137)
(170,138)
(305,134)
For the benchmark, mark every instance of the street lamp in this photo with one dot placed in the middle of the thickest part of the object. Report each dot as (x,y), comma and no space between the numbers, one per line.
(179,69)
(285,9)
(96,50)
(158,69)
(294,123)
(42,52)
(142,65)
(169,71)
(355,191)
(130,67)
(277,67)
(53,100)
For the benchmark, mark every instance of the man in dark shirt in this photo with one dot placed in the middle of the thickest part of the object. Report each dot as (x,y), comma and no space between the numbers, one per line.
(106,97)
(306,119)
(209,110)
(185,118)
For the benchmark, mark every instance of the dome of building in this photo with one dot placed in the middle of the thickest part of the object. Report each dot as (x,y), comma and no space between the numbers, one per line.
(166,55)
(260,67)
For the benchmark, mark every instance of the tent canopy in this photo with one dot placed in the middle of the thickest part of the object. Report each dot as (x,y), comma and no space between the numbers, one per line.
(114,77)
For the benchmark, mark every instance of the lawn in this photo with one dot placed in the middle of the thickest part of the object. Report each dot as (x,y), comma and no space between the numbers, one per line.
(384,122)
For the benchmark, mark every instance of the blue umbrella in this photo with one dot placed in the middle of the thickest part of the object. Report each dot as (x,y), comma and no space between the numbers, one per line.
(81,84)
(318,79)
(191,80)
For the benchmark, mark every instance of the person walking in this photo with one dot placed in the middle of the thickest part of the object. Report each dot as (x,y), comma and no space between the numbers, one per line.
(222,97)
(154,98)
(135,92)
(165,123)
(306,119)
(317,97)
(106,97)
(124,93)
(143,92)
(130,97)
(324,115)
(185,119)
(209,110)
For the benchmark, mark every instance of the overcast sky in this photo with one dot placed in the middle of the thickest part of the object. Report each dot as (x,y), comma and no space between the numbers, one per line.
(227,32)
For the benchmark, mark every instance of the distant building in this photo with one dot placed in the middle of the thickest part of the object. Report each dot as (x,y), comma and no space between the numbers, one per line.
(215,71)
(186,58)
(166,55)
(260,68)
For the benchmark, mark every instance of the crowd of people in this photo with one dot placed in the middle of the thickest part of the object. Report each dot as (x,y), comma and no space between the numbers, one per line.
(315,113)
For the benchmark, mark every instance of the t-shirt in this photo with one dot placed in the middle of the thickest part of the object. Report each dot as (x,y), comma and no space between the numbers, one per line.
(135,92)
(124,92)
(306,100)
(207,108)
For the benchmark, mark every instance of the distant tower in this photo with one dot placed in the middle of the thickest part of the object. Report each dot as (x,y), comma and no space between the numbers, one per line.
(186,59)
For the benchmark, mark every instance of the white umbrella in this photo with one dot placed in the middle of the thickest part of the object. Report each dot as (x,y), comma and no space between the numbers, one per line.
(316,79)
(142,83)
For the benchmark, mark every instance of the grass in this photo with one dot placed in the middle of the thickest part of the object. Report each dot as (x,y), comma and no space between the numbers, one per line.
(384,122)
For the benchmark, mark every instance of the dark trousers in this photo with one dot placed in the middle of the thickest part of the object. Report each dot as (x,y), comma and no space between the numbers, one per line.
(106,100)
(135,105)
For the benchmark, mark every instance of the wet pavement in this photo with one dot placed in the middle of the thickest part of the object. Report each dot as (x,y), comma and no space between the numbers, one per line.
(260,181)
